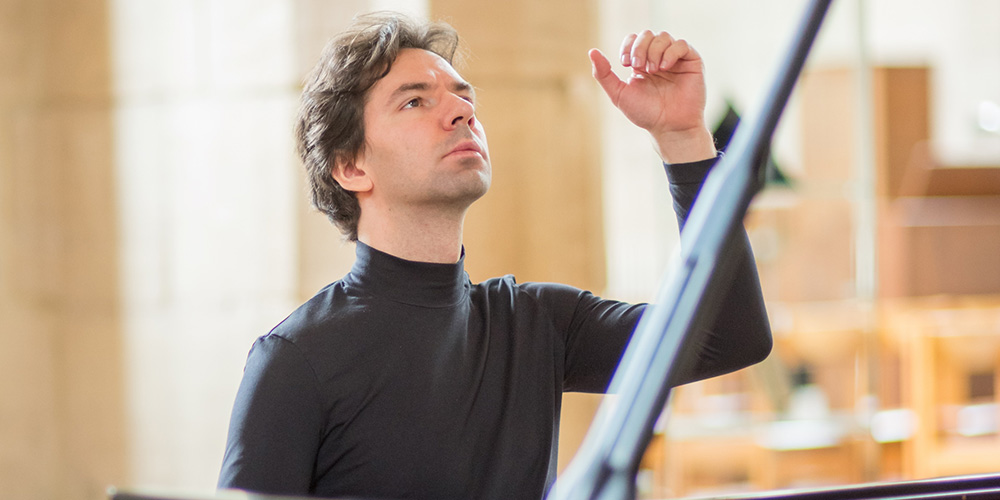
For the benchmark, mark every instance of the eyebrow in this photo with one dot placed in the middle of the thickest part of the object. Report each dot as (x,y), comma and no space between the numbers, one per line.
(458,86)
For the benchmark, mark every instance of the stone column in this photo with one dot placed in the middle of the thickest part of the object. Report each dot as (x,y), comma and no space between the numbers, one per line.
(61,397)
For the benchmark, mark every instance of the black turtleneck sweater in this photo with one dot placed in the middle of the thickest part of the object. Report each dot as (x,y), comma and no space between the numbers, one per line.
(405,380)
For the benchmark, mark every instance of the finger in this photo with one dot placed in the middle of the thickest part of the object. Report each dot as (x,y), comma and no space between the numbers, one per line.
(608,80)
(639,49)
(677,55)
(626,50)
(654,55)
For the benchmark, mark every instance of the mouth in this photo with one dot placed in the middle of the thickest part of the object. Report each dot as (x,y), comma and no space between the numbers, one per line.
(466,147)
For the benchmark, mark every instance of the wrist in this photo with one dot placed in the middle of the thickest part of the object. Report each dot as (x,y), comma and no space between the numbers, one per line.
(685,146)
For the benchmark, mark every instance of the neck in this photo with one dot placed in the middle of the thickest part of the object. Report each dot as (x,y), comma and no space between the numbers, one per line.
(414,235)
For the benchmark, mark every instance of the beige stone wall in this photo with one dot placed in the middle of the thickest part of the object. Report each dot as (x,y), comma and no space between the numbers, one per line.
(61,378)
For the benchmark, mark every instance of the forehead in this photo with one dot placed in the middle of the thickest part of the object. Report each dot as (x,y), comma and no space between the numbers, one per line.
(416,66)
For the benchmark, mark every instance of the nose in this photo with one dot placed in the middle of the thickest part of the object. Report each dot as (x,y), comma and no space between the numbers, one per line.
(461,111)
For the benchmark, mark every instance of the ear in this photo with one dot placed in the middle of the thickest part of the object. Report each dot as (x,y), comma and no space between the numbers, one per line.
(351,176)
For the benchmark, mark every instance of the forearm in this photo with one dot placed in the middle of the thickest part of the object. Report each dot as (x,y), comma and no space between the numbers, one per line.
(741,334)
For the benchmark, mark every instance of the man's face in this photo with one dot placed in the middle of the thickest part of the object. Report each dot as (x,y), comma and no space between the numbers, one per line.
(423,143)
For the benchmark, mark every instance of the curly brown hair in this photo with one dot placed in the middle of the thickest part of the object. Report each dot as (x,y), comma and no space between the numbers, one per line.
(330,122)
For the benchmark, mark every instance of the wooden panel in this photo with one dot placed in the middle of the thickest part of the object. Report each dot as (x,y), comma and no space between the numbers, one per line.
(804,248)
(940,245)
(521,39)
(925,178)
(902,123)
(542,218)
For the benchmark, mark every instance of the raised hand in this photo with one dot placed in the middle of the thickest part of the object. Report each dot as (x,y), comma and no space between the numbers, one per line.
(665,94)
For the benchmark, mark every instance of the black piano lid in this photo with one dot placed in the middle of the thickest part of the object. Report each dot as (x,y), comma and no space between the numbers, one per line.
(982,486)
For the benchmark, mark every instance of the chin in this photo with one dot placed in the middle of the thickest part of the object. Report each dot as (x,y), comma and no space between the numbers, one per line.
(475,191)
(483,173)
(485,182)
(466,185)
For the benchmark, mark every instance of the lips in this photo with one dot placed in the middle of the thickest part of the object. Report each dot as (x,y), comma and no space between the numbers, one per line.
(466,147)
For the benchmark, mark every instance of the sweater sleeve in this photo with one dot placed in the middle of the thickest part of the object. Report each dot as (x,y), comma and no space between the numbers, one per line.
(741,334)
(596,331)
(276,424)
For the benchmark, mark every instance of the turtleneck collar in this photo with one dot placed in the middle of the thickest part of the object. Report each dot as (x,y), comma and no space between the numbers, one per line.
(417,283)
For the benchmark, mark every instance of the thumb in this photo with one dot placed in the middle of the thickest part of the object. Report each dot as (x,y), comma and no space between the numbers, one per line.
(608,80)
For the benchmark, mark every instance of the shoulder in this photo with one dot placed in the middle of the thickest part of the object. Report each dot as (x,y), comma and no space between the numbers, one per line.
(318,329)
(553,303)
(276,364)
(329,306)
(543,293)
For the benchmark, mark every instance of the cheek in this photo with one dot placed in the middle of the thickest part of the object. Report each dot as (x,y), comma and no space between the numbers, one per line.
(386,146)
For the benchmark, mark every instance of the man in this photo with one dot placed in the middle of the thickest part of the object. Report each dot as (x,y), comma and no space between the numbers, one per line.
(403,379)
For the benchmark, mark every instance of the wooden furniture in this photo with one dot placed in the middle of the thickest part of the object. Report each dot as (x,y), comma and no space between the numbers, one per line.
(950,353)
